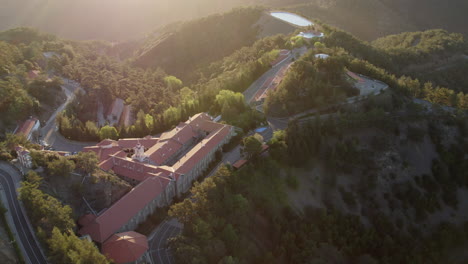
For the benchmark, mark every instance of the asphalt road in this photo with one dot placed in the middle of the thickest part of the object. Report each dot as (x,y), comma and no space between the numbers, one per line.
(249,94)
(159,251)
(28,240)
(50,131)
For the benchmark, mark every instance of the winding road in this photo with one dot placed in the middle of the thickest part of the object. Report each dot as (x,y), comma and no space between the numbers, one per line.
(23,231)
(249,94)
(50,131)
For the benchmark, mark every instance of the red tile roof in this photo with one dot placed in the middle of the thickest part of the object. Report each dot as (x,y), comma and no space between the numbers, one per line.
(153,179)
(181,133)
(118,215)
(209,126)
(107,164)
(197,120)
(197,153)
(103,153)
(26,127)
(163,150)
(107,142)
(33,74)
(129,143)
(131,169)
(86,219)
(139,171)
(125,247)
(239,163)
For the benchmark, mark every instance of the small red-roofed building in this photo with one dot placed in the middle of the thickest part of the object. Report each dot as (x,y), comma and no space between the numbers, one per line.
(239,164)
(33,74)
(28,127)
(125,247)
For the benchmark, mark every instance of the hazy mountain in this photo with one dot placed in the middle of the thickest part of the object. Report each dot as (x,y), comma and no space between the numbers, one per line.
(123,19)
(105,19)
(370,19)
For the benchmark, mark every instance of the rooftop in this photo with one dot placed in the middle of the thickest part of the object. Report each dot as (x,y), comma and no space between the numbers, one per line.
(26,127)
(109,222)
(152,179)
(125,247)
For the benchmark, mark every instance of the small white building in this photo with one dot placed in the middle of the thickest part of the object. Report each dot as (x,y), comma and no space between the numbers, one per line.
(24,157)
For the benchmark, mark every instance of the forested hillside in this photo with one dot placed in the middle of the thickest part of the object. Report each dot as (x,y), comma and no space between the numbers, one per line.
(182,49)
(112,20)
(371,19)
(391,60)
(159,100)
(433,55)
(311,83)
(24,83)
(344,189)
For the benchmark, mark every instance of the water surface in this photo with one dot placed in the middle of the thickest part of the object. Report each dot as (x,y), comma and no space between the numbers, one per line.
(292,18)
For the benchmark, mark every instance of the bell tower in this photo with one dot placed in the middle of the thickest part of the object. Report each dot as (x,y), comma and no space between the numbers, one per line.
(139,151)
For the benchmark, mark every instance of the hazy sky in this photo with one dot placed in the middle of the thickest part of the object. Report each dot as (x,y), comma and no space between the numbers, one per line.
(108,19)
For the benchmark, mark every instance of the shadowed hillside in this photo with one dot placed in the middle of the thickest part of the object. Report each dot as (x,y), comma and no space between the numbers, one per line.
(179,49)
(370,19)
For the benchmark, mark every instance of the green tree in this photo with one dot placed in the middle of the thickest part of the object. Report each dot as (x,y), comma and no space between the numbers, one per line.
(66,247)
(92,130)
(173,83)
(45,211)
(87,161)
(253,145)
(108,132)
(61,167)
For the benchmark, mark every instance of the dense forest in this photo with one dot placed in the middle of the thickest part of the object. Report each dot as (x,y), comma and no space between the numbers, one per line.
(159,100)
(371,19)
(323,80)
(396,53)
(248,215)
(196,43)
(22,54)
(310,83)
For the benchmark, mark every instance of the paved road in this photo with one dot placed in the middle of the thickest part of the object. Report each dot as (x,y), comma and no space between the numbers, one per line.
(27,237)
(249,94)
(50,130)
(366,86)
(159,251)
